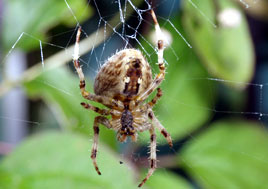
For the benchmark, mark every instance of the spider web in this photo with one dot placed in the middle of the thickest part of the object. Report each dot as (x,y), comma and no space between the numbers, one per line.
(114,37)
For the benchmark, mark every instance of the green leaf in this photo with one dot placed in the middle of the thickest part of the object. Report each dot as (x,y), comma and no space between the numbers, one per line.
(167,179)
(34,18)
(62,160)
(59,88)
(230,154)
(227,52)
(187,95)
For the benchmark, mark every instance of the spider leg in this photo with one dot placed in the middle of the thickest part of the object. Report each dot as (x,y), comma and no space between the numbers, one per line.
(104,121)
(152,156)
(160,127)
(87,95)
(156,98)
(121,138)
(161,75)
(95,109)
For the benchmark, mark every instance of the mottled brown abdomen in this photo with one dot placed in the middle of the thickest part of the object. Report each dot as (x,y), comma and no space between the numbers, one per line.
(125,74)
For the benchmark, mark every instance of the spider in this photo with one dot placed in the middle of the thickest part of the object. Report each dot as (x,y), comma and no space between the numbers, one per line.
(123,84)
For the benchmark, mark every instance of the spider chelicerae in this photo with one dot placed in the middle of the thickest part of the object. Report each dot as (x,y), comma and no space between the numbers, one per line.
(123,84)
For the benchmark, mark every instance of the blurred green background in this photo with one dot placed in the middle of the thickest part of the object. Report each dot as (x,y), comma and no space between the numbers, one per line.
(214,101)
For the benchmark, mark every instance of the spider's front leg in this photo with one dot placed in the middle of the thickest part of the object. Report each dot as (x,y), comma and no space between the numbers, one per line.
(98,120)
(78,68)
(87,95)
(152,156)
(161,75)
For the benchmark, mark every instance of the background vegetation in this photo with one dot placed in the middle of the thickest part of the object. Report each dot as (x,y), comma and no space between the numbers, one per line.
(218,127)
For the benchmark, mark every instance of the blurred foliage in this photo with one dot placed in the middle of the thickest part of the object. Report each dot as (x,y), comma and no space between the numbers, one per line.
(62,160)
(229,154)
(35,18)
(182,108)
(166,179)
(256,8)
(227,52)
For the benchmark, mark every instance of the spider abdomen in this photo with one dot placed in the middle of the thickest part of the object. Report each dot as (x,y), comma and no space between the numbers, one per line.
(125,75)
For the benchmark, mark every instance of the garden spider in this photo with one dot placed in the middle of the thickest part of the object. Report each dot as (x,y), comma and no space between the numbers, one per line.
(123,83)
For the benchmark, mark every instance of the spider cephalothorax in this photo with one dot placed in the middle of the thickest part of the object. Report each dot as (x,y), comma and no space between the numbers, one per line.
(122,84)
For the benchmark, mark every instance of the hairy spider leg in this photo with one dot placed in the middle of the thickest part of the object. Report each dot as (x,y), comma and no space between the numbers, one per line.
(156,98)
(98,120)
(160,51)
(160,127)
(100,99)
(152,158)
(156,82)
(96,109)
